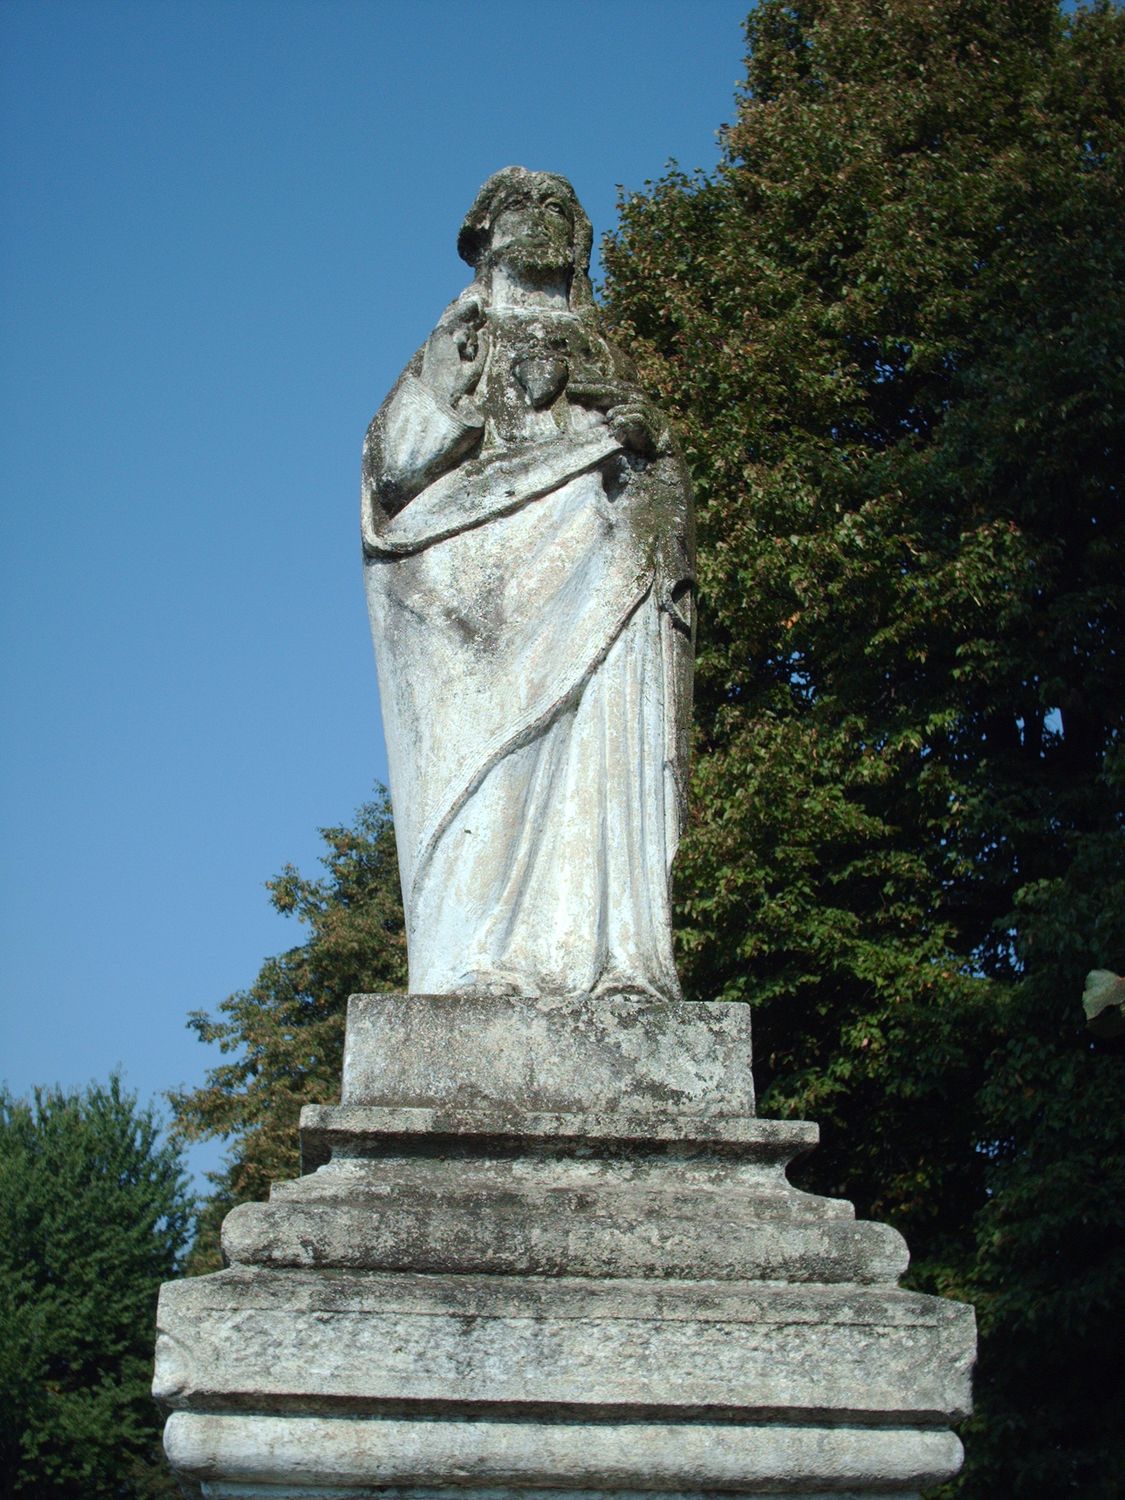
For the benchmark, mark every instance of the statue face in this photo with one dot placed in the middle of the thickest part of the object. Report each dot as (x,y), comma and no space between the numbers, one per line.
(532,232)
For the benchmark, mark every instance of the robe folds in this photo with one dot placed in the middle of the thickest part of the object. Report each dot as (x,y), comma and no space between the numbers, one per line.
(530,607)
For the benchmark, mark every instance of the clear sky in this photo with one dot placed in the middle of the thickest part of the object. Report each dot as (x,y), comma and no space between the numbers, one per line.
(226,226)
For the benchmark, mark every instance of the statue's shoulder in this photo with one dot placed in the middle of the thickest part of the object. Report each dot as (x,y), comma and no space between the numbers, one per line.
(622,366)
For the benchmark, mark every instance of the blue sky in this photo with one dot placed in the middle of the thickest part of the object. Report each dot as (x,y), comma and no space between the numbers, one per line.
(226,226)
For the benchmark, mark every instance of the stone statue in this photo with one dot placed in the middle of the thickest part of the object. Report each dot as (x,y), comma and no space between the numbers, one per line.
(545,1172)
(528,555)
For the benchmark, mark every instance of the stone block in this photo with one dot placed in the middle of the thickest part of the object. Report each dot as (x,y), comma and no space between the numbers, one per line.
(267,1339)
(575,1204)
(300,1456)
(557,1232)
(548,1055)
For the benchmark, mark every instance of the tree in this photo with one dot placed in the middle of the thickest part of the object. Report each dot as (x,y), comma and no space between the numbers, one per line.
(94,1215)
(285,1035)
(891,326)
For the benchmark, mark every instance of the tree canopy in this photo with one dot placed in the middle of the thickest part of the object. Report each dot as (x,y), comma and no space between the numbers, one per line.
(285,1035)
(892,327)
(94,1214)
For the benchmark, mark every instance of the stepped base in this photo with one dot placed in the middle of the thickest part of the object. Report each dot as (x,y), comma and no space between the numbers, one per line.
(484,1287)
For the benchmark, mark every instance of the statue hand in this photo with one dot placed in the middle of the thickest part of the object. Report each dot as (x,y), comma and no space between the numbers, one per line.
(453,359)
(598,393)
(636,426)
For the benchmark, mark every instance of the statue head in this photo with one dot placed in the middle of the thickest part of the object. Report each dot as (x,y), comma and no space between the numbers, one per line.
(533,223)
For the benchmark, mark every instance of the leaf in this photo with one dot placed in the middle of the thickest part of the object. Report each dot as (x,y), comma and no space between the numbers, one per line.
(1103,1000)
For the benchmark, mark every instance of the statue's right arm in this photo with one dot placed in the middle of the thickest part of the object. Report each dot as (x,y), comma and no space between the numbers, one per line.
(428,423)
(415,437)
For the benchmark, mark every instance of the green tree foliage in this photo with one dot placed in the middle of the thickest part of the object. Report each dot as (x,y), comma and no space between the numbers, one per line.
(892,326)
(285,1035)
(94,1215)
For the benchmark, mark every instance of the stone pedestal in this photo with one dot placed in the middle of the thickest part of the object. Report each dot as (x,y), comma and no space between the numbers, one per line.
(546,1245)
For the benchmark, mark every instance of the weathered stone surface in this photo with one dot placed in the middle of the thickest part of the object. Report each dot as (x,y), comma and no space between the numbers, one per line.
(266,1339)
(641,1457)
(578,1205)
(421,1148)
(347,1130)
(560,1232)
(547,1055)
(527,533)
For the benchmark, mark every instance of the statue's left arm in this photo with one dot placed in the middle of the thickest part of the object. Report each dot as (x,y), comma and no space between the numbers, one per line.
(660,500)
(657,491)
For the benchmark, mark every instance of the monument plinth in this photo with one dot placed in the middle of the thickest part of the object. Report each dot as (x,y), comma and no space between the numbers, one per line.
(583,1269)
(543,1244)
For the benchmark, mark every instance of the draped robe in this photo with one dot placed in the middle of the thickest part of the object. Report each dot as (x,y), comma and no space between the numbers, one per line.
(528,586)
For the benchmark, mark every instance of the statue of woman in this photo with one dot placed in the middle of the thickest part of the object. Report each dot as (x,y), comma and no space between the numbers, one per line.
(528,558)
